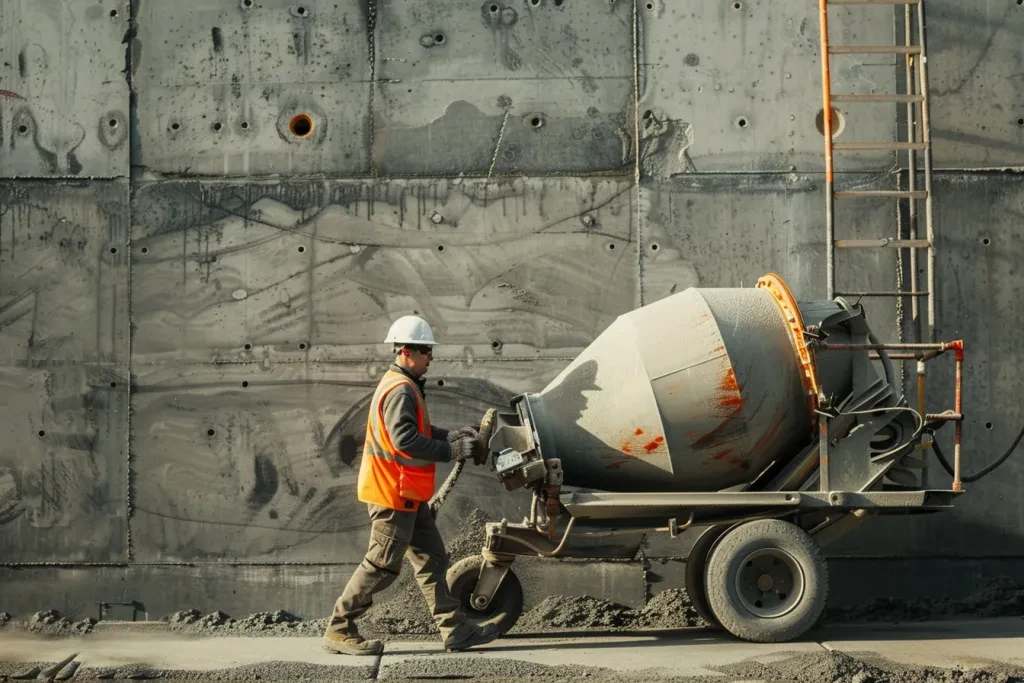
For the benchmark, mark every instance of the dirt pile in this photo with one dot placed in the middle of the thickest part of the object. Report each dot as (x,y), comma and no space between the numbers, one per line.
(998,597)
(838,667)
(669,609)
(52,623)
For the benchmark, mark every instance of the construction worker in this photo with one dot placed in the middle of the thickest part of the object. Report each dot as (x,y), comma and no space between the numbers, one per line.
(396,479)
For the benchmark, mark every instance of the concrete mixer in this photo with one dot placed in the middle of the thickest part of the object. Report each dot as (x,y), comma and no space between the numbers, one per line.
(768,426)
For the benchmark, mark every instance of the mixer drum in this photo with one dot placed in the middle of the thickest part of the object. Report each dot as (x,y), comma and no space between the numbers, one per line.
(697,392)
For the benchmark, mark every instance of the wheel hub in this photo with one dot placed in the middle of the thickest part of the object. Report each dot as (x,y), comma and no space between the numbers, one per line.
(769,583)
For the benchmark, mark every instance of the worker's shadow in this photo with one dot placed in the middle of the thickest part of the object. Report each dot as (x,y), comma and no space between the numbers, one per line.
(582,417)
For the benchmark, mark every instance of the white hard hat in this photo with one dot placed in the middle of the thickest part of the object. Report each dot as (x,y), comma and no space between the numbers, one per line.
(410,329)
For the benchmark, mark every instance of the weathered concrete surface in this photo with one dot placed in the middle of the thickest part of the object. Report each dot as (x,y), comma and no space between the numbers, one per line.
(499,87)
(318,270)
(64,272)
(63,89)
(736,86)
(971,646)
(974,59)
(728,230)
(220,84)
(64,378)
(258,462)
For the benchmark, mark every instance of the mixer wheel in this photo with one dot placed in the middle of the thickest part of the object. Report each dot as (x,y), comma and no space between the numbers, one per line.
(767,581)
(504,609)
(696,566)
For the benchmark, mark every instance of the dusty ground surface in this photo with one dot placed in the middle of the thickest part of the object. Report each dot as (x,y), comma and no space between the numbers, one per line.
(820,666)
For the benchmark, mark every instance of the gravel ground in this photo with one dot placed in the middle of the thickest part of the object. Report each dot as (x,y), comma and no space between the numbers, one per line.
(819,667)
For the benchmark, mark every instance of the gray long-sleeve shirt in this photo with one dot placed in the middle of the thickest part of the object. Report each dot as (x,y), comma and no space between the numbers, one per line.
(400,421)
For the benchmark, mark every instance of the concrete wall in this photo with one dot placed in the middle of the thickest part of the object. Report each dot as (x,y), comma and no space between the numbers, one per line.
(192,295)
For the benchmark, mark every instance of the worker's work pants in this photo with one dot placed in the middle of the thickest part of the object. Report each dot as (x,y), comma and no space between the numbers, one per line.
(394,533)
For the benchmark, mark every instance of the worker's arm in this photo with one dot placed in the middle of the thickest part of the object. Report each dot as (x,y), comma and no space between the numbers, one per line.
(400,421)
(440,433)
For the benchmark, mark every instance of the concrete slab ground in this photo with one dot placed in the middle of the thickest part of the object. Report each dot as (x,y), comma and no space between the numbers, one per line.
(681,653)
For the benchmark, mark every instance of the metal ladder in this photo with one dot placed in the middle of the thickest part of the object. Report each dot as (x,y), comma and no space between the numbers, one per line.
(919,140)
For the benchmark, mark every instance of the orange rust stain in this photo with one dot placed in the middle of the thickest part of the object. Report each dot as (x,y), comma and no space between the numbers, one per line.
(627,448)
(729,382)
(653,445)
(718,348)
(722,454)
(638,432)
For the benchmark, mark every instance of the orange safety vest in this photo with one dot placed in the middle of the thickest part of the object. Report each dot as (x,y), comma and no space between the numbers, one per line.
(388,476)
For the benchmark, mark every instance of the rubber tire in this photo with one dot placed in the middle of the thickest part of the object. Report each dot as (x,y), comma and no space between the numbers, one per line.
(507,605)
(696,565)
(725,561)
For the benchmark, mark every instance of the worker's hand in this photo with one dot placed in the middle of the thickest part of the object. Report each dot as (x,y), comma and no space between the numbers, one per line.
(457,434)
(463,448)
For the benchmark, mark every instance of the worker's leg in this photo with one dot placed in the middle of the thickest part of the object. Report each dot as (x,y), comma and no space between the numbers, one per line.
(390,534)
(429,560)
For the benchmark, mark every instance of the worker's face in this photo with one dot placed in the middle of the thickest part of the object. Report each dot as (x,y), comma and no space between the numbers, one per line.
(418,359)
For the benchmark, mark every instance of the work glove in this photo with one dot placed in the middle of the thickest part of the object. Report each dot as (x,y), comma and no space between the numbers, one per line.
(457,434)
(466,447)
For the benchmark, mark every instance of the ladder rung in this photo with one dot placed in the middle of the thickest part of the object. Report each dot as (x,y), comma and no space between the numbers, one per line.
(883,242)
(873,2)
(875,97)
(856,194)
(892,294)
(866,146)
(875,50)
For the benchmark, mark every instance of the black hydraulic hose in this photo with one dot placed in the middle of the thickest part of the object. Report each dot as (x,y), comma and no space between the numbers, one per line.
(967,479)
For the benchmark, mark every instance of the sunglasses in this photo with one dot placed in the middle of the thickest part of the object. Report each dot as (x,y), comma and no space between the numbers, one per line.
(425,350)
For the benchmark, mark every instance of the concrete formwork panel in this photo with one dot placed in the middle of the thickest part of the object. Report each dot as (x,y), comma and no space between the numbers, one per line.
(736,86)
(976,51)
(729,230)
(63,465)
(63,272)
(319,270)
(221,84)
(259,461)
(63,91)
(491,87)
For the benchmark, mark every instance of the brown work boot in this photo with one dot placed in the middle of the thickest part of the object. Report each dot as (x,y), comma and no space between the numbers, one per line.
(466,635)
(351,644)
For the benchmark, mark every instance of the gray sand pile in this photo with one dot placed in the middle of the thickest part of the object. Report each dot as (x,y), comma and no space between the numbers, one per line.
(486,669)
(667,610)
(838,667)
(999,597)
(50,623)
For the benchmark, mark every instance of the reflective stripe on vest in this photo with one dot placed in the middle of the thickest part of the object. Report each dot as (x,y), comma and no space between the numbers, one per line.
(387,475)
